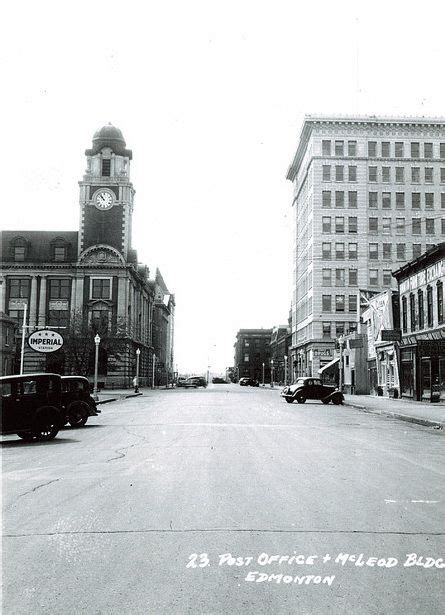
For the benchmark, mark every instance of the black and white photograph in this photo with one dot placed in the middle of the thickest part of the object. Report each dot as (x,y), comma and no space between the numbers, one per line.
(222,333)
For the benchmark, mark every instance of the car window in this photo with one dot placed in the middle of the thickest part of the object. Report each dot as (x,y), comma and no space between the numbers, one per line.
(65,386)
(310,382)
(29,387)
(317,382)
(5,389)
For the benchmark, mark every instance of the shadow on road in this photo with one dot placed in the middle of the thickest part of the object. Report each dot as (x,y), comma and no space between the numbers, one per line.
(22,443)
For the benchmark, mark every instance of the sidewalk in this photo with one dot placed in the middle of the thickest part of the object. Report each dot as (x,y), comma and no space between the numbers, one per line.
(422,413)
(107,395)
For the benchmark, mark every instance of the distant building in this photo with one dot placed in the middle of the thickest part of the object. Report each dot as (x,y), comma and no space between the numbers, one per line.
(279,352)
(252,353)
(7,344)
(422,350)
(90,282)
(368,197)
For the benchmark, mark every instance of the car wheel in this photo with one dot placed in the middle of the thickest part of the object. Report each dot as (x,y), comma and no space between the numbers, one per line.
(47,425)
(337,400)
(78,415)
(325,401)
(26,436)
(300,398)
(289,400)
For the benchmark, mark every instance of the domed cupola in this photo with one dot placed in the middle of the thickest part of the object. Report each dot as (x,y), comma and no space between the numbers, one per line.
(109,136)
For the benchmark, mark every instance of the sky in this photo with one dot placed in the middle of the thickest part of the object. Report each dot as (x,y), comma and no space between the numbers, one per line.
(210,96)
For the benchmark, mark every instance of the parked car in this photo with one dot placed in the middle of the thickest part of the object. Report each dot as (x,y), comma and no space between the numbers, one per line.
(312,388)
(248,382)
(196,381)
(77,400)
(31,406)
(181,382)
(218,380)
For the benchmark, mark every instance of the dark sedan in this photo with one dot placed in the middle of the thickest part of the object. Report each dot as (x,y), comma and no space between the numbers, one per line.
(312,388)
(249,382)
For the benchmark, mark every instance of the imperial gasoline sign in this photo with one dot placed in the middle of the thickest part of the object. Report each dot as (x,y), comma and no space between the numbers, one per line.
(45,340)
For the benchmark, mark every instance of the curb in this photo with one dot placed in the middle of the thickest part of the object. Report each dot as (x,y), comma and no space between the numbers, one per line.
(107,401)
(402,417)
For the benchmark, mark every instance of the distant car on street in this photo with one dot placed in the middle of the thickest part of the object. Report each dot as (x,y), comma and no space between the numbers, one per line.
(312,388)
(249,382)
(217,380)
(195,382)
(31,406)
(181,382)
(77,400)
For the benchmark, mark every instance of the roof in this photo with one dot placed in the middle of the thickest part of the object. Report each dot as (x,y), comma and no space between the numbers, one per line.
(38,244)
(311,120)
(424,260)
(112,137)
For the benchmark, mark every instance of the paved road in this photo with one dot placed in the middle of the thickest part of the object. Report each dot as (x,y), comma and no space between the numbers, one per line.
(106,519)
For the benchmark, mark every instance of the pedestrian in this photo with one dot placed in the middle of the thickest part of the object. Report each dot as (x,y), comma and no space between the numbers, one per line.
(135,384)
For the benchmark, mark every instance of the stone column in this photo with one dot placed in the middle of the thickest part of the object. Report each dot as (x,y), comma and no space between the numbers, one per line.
(42,302)
(2,293)
(33,304)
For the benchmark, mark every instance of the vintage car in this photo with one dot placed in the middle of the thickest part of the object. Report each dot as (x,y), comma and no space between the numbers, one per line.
(312,388)
(31,406)
(249,382)
(77,400)
(195,382)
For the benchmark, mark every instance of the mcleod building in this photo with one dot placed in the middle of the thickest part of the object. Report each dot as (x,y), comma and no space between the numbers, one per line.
(369,195)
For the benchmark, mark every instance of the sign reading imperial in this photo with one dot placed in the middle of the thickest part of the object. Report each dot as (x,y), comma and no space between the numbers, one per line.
(45,340)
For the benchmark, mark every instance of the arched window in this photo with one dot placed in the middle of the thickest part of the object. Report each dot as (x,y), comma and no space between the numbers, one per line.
(404,315)
(19,248)
(440,302)
(429,305)
(421,309)
(59,250)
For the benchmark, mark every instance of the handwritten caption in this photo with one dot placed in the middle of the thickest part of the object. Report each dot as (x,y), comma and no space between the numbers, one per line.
(286,562)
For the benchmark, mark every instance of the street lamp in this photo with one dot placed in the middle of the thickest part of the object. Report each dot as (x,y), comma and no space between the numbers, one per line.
(263,374)
(271,373)
(96,362)
(136,380)
(285,370)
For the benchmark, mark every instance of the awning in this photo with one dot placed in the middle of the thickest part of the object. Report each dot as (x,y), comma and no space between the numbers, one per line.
(328,365)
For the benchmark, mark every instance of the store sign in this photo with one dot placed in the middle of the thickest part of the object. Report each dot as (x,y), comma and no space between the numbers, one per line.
(426,276)
(58,304)
(357,343)
(17,304)
(391,335)
(45,340)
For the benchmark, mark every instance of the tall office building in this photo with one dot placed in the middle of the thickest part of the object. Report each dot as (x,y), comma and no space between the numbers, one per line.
(369,195)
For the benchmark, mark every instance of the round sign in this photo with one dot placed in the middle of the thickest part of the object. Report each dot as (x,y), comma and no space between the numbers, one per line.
(45,340)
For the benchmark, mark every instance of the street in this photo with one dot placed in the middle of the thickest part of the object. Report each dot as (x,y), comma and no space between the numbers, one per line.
(225,500)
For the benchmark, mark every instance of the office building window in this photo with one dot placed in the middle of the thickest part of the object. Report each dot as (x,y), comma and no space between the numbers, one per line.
(400,200)
(428,175)
(429,305)
(339,329)
(442,150)
(400,250)
(326,329)
(385,149)
(387,247)
(326,198)
(19,253)
(442,222)
(352,148)
(387,277)
(19,289)
(352,327)
(416,227)
(373,225)
(339,251)
(372,174)
(442,200)
(326,224)
(339,303)
(352,251)
(400,175)
(100,288)
(372,149)
(400,226)
(415,175)
(352,199)
(326,303)
(421,309)
(339,198)
(404,315)
(427,150)
(386,200)
(429,200)
(352,303)
(417,250)
(399,149)
(352,224)
(415,150)
(326,251)
(372,200)
(339,148)
(386,226)
(352,173)
(373,277)
(339,224)
(374,251)
(386,174)
(415,200)
(412,312)
(339,173)
(442,175)
(59,289)
(339,277)
(326,172)
(353,278)
(246,358)
(439,291)
(430,226)
(326,148)
(326,277)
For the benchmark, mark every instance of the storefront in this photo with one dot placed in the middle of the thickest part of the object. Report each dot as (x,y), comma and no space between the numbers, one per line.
(423,370)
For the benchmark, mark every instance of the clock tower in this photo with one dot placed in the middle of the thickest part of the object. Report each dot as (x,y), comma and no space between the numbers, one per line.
(106,194)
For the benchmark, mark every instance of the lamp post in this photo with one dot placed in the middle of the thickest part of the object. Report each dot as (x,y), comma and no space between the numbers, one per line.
(136,380)
(263,374)
(96,362)
(285,370)
(271,373)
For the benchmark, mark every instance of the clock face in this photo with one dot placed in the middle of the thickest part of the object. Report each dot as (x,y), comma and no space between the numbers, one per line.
(104,200)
